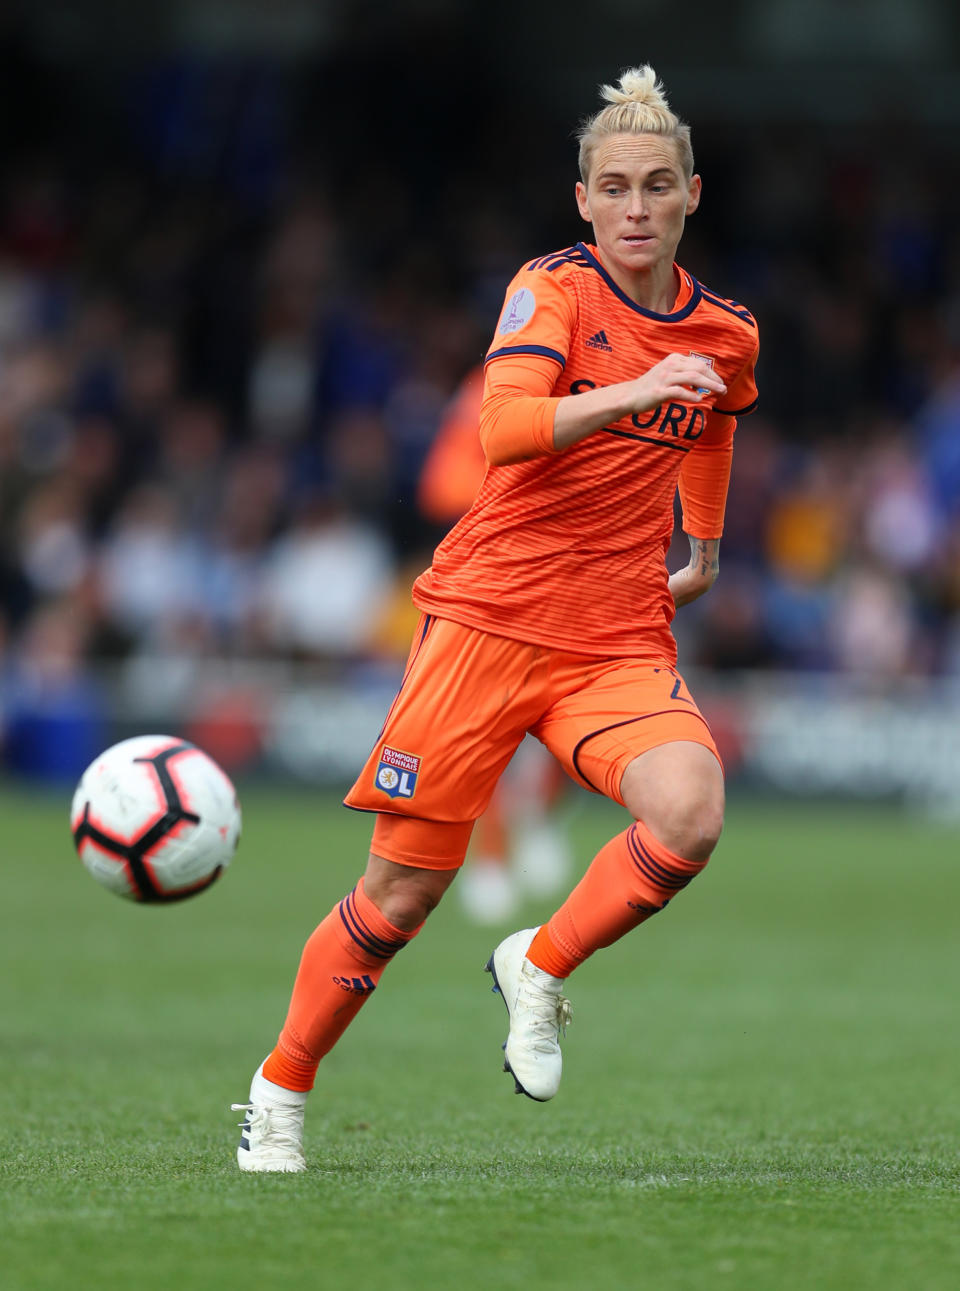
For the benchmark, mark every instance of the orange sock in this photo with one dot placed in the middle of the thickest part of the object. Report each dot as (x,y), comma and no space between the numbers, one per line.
(342,963)
(629,880)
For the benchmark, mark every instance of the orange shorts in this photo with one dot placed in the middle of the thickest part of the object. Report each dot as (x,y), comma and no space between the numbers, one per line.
(466,701)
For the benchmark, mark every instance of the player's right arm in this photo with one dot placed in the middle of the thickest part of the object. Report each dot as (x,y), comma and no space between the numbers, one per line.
(679,377)
(519,420)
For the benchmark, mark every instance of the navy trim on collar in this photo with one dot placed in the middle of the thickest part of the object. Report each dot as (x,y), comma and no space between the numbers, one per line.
(681,314)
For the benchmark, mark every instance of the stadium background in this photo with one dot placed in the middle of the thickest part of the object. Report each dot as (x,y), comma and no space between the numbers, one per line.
(248,252)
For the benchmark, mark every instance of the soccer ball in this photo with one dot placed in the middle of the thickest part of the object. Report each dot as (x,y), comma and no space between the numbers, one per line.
(155,819)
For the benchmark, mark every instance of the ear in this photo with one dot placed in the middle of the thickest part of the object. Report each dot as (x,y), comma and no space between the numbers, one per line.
(693,194)
(583,205)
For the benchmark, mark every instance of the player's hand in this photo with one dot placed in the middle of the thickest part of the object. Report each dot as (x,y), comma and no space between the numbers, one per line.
(680,377)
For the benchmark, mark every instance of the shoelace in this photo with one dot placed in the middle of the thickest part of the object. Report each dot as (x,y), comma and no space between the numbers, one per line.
(279,1129)
(547,1014)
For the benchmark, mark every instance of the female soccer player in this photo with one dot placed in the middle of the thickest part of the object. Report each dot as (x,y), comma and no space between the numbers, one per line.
(613,379)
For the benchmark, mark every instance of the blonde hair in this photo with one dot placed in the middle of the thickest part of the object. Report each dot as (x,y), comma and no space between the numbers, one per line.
(637,106)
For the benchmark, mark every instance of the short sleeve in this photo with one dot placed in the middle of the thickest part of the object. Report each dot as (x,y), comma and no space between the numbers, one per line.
(538,318)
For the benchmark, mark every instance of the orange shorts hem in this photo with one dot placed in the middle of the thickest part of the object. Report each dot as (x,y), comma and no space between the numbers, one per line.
(424,844)
(601,758)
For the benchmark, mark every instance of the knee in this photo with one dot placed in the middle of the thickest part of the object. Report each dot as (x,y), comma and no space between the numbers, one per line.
(402,904)
(700,833)
(405,896)
(677,791)
(407,907)
(690,825)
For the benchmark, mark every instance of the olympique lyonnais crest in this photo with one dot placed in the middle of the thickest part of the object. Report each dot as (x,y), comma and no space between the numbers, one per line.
(704,358)
(397,772)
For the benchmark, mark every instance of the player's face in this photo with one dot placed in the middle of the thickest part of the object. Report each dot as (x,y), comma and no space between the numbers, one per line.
(637,198)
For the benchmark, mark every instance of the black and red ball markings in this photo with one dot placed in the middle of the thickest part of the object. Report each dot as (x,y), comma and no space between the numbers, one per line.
(171,818)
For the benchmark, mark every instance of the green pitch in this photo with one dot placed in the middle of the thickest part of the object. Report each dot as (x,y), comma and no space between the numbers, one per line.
(761,1086)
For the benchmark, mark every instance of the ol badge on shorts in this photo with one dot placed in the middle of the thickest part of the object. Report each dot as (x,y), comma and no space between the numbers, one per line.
(397,772)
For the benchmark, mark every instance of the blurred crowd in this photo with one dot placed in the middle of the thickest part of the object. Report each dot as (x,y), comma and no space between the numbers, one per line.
(215,409)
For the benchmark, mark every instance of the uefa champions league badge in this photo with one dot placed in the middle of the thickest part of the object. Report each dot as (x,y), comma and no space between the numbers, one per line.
(519,309)
(704,358)
(397,773)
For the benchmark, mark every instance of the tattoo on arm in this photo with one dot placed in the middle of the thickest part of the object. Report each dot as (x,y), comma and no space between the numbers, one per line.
(705,557)
(699,575)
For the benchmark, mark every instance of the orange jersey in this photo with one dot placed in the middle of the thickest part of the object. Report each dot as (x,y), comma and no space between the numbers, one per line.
(567,549)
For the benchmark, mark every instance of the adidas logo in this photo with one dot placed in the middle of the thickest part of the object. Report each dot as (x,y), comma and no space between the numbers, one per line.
(598,341)
(356,985)
(644,908)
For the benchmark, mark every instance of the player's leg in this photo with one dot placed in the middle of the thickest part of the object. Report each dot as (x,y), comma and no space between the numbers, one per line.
(675,794)
(340,968)
(446,741)
(651,751)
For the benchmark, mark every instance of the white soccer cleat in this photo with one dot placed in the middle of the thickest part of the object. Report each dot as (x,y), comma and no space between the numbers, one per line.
(271,1139)
(538,1012)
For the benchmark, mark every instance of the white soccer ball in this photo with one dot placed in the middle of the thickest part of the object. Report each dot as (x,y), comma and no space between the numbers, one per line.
(155,819)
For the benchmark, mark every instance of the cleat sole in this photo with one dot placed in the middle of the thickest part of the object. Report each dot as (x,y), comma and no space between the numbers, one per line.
(489,968)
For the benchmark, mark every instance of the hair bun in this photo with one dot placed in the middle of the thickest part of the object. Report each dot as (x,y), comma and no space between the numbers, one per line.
(637,105)
(637,85)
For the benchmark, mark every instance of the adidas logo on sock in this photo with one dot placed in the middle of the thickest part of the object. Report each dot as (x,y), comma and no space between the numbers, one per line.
(598,341)
(356,985)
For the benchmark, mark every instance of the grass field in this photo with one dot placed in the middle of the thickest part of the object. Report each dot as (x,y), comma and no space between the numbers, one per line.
(761,1086)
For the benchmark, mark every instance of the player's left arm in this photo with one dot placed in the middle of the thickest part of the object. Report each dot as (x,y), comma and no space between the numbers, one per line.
(703,484)
(699,575)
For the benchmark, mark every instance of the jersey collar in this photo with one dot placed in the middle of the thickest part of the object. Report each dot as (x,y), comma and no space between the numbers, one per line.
(687,299)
